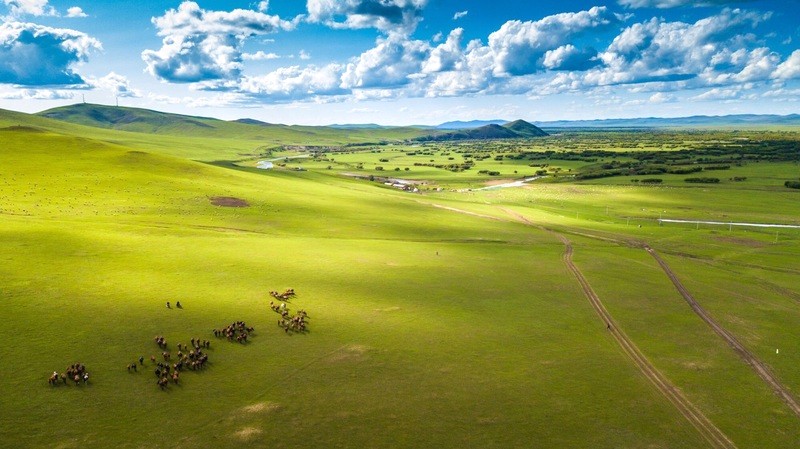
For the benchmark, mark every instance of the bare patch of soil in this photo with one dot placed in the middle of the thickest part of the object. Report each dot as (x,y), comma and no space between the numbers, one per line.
(750,243)
(350,353)
(497,182)
(388,309)
(260,407)
(247,433)
(228,201)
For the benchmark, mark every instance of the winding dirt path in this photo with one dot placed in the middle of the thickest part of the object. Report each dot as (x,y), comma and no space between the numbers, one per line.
(749,358)
(704,426)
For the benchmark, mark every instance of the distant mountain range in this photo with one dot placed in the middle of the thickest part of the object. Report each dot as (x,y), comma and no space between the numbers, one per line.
(518,129)
(693,121)
(252,121)
(155,122)
(702,121)
(470,124)
(149,121)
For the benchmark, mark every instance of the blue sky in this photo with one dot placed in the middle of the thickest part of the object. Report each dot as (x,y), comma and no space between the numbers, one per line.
(401,62)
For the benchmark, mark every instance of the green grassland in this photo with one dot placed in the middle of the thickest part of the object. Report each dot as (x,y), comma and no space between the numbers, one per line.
(436,319)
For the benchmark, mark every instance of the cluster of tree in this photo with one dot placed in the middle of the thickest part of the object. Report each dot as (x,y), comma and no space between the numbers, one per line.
(792,184)
(685,170)
(452,167)
(702,180)
(717,167)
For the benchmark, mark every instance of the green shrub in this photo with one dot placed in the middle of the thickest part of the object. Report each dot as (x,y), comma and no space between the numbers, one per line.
(702,180)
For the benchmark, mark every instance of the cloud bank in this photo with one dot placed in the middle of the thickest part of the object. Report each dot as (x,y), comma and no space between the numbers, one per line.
(200,45)
(36,55)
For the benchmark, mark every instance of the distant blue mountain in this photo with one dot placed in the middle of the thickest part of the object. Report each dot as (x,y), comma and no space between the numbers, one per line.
(744,120)
(251,121)
(470,124)
(518,129)
(357,126)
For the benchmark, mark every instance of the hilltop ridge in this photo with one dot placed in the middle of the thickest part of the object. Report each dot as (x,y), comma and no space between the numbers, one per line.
(518,129)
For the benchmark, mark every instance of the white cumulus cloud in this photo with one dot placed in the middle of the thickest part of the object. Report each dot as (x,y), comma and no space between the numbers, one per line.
(30,7)
(117,84)
(391,63)
(520,47)
(286,84)
(790,68)
(665,4)
(36,55)
(708,51)
(259,56)
(38,94)
(384,15)
(201,45)
(75,11)
(447,55)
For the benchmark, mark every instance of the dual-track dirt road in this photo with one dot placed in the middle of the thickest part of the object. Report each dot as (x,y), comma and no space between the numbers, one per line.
(707,429)
(713,435)
(704,426)
(749,358)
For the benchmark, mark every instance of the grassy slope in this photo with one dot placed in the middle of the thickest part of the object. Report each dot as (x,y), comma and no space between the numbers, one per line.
(214,140)
(490,345)
(745,280)
(154,122)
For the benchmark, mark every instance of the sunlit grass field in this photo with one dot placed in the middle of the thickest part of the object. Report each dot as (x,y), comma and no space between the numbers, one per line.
(436,319)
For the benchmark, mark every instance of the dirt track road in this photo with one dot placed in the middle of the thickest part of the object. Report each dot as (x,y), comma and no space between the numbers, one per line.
(750,358)
(707,429)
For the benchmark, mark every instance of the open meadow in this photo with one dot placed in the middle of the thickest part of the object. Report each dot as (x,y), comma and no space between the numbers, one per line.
(448,316)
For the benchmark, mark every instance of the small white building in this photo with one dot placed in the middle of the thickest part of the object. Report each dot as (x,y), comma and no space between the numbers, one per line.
(265,165)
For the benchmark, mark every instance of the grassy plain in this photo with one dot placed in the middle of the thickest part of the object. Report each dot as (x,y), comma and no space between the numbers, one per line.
(429,326)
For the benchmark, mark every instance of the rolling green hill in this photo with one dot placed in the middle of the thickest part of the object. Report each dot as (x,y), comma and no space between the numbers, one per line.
(154,122)
(518,129)
(130,119)
(525,129)
(435,320)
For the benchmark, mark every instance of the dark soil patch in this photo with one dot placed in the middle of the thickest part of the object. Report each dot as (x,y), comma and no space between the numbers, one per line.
(228,201)
(22,128)
(741,241)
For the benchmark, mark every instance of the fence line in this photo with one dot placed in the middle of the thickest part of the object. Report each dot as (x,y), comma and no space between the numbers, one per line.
(728,223)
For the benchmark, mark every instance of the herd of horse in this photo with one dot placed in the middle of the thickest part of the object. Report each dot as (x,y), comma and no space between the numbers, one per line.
(75,372)
(192,357)
(238,330)
(289,323)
